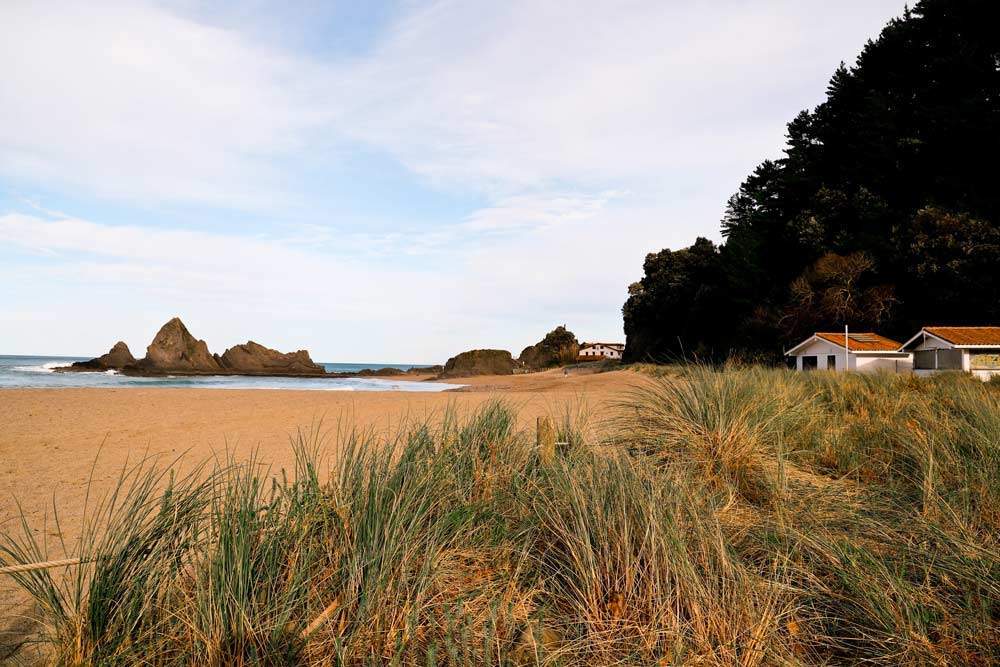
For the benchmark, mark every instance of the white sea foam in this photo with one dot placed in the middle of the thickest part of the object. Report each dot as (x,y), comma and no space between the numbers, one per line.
(44,368)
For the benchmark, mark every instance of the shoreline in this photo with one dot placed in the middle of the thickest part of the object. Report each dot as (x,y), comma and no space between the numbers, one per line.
(373,374)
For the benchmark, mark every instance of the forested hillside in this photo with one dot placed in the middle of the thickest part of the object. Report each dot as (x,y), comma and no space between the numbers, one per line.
(883,213)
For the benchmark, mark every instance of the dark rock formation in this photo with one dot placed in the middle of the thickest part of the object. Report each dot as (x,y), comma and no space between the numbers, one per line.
(559,347)
(255,359)
(479,362)
(118,358)
(380,372)
(389,371)
(426,370)
(175,350)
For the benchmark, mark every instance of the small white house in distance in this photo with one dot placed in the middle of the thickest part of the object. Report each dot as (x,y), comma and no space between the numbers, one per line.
(865,352)
(595,351)
(974,350)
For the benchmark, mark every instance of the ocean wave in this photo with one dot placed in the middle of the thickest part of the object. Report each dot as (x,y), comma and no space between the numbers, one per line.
(43,368)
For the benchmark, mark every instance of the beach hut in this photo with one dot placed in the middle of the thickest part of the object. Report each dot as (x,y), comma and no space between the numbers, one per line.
(865,352)
(974,350)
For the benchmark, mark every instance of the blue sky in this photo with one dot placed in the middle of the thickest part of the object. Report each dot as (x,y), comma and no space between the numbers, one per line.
(378,182)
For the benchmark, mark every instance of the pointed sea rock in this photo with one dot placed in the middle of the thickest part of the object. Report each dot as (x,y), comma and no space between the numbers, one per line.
(174,349)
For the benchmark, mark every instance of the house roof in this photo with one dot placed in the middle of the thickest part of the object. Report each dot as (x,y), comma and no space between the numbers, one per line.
(862,341)
(964,336)
(611,345)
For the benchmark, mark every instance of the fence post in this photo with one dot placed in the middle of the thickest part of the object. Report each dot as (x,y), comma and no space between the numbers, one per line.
(546,440)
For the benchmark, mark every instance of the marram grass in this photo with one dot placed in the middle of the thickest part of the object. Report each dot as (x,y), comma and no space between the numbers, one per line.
(742,516)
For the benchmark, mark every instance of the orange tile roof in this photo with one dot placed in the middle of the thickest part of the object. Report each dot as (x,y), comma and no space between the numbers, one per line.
(862,341)
(967,335)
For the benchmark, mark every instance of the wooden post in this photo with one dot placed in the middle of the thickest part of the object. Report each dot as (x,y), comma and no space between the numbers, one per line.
(546,440)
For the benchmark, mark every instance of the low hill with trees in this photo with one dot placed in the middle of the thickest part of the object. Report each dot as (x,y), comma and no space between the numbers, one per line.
(557,348)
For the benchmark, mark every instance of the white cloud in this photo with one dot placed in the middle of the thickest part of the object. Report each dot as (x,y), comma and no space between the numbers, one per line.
(240,286)
(504,96)
(538,211)
(111,281)
(129,101)
(596,132)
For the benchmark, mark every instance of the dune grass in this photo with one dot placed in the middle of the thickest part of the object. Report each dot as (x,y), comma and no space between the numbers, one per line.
(743,516)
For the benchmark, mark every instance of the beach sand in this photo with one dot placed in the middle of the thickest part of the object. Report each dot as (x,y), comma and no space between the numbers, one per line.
(54,440)
(51,438)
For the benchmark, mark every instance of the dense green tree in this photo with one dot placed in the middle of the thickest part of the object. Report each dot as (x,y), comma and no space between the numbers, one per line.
(954,260)
(674,302)
(898,167)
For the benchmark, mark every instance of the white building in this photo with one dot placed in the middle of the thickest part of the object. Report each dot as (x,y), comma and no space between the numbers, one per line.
(595,351)
(974,350)
(865,352)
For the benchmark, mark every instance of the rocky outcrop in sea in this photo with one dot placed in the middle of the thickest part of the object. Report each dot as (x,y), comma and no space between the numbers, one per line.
(255,359)
(175,351)
(119,357)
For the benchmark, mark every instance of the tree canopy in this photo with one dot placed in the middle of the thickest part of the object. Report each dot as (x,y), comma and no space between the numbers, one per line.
(882,213)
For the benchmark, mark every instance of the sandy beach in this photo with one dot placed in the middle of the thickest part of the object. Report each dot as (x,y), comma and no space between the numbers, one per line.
(53,438)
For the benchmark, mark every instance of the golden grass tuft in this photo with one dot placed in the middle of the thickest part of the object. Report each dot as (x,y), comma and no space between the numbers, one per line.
(742,516)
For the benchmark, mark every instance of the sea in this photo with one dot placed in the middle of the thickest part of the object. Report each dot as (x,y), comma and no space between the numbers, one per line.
(25,371)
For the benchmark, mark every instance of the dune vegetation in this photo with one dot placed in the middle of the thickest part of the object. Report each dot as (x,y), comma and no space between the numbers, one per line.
(742,516)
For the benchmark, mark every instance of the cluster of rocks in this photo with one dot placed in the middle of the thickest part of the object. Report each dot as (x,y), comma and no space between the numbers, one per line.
(390,371)
(557,348)
(175,351)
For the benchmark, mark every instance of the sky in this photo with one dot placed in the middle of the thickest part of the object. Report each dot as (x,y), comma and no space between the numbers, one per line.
(379,182)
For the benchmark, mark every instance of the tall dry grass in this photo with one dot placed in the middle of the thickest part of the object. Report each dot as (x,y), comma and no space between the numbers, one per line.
(743,516)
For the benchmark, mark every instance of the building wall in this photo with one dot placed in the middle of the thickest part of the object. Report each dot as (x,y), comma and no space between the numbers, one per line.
(984,364)
(601,351)
(930,344)
(821,350)
(933,344)
(869,364)
(864,363)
